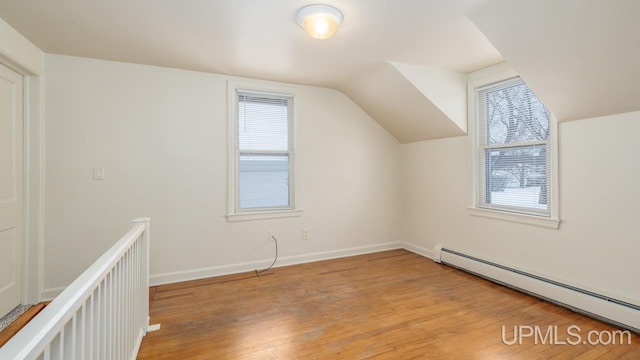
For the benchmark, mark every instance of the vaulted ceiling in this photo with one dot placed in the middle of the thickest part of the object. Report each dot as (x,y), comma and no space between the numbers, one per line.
(402,61)
(579,56)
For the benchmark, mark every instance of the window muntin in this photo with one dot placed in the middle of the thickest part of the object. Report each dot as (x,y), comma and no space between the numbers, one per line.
(264,151)
(514,149)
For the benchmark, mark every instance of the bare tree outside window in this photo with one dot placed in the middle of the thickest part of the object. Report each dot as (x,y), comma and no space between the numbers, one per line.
(515,135)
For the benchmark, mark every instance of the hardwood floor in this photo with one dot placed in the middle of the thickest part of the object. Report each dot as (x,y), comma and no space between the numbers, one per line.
(13,328)
(388,305)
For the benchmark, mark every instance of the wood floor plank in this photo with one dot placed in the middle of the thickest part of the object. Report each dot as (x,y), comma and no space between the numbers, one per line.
(13,328)
(388,305)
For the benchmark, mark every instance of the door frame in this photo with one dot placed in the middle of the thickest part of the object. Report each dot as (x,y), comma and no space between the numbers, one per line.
(20,55)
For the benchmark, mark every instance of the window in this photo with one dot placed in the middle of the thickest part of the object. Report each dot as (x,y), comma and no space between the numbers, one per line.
(262,155)
(513,152)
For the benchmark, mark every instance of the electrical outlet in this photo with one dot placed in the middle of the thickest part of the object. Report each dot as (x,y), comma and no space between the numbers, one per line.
(305,234)
(98,173)
(272,235)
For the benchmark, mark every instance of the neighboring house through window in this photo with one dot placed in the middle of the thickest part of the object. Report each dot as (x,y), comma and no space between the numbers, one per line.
(262,157)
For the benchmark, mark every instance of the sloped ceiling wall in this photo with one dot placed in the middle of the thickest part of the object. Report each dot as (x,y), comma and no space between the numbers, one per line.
(403,62)
(579,56)
(398,97)
(446,89)
(383,57)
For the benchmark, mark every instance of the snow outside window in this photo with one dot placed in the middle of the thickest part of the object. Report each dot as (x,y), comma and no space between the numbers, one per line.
(513,149)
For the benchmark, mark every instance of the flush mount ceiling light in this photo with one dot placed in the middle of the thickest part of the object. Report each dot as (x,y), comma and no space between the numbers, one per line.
(320,21)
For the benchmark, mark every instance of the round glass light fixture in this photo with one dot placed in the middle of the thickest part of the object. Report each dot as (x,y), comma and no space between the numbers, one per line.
(319,21)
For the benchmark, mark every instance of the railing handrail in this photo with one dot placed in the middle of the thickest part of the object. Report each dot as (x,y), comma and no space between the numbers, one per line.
(34,337)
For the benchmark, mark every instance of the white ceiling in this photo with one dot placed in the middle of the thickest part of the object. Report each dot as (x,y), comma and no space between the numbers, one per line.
(581,57)
(570,51)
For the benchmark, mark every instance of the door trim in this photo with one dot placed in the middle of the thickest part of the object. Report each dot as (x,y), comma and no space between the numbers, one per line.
(20,55)
(34,190)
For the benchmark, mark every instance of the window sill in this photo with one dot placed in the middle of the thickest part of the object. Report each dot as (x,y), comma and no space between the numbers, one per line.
(262,215)
(550,223)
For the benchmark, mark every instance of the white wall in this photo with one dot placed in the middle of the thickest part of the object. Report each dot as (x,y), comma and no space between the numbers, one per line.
(598,242)
(161,135)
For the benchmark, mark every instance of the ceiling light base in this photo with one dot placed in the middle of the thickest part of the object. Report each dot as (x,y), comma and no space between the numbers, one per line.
(319,21)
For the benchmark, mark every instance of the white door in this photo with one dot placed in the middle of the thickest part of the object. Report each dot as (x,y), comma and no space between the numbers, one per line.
(10,189)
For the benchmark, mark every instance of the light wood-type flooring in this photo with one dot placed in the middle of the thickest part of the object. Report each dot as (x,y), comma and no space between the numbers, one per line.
(387,305)
(20,322)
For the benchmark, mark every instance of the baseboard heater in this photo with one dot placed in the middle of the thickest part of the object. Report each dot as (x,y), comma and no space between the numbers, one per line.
(614,311)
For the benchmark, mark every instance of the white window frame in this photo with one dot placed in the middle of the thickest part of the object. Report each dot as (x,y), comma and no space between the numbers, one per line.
(475,81)
(234,213)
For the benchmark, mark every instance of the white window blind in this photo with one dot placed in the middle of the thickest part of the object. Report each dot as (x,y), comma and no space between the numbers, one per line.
(513,149)
(264,151)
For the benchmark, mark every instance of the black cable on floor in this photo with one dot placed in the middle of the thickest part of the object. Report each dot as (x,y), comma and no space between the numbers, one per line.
(258,272)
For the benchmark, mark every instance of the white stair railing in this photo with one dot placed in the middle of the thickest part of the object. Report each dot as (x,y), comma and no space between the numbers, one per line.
(103,314)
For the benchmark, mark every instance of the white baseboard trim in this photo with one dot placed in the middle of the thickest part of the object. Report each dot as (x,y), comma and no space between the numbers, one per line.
(428,253)
(203,273)
(51,293)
